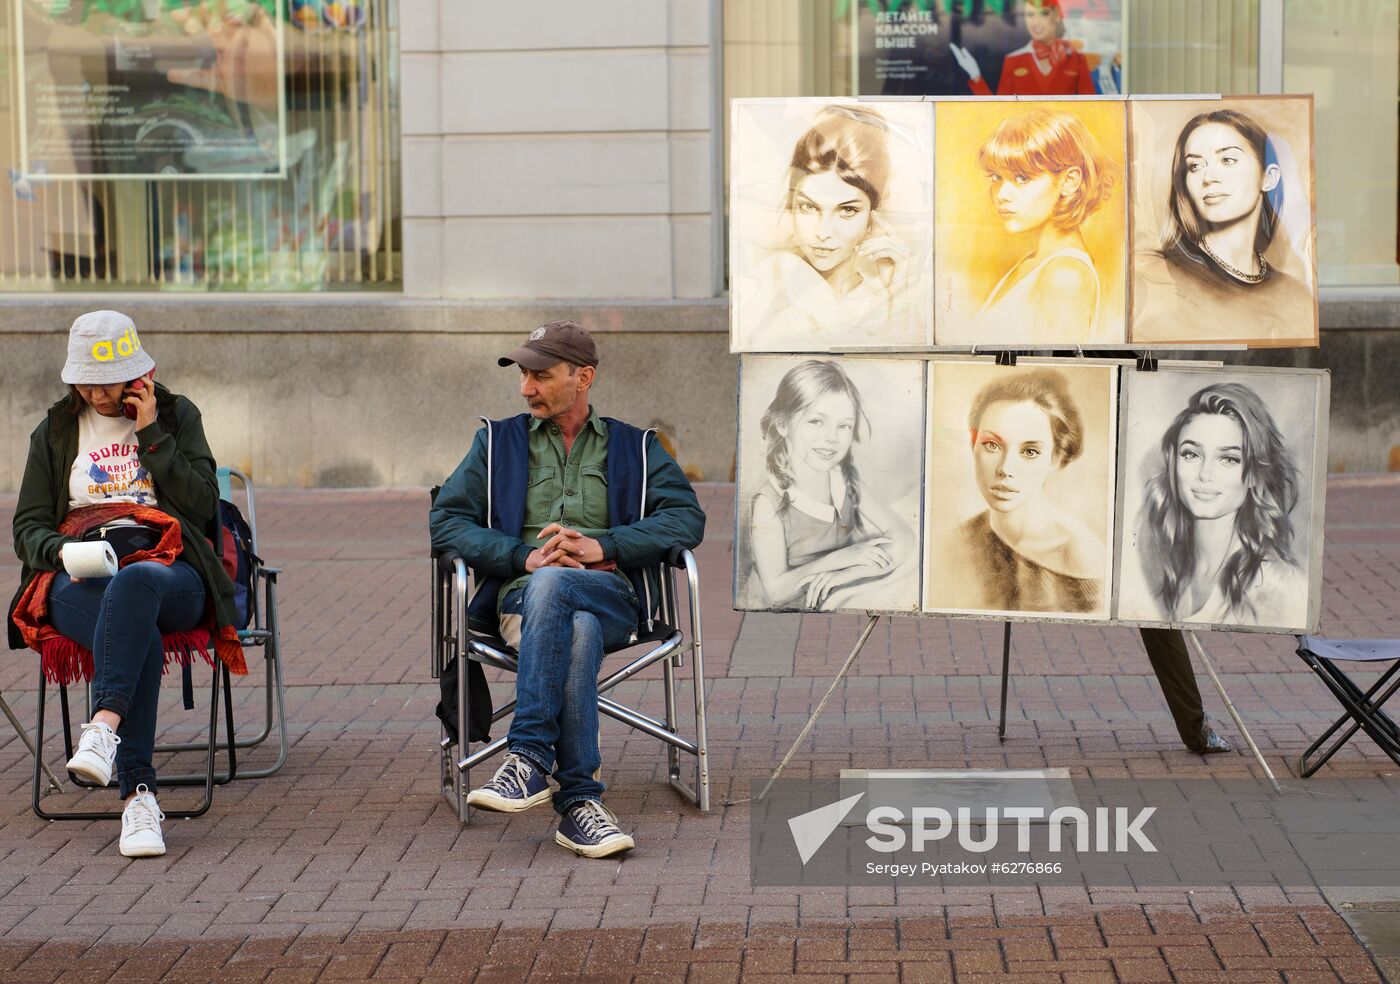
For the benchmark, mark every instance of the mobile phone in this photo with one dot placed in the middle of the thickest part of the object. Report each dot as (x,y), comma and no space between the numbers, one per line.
(128,411)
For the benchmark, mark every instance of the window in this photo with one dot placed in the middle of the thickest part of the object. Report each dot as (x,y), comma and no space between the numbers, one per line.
(147,148)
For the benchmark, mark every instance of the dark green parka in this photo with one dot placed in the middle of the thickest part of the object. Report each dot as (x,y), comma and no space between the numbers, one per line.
(172,449)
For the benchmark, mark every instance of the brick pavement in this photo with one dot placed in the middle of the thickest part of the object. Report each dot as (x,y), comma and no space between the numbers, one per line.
(346,866)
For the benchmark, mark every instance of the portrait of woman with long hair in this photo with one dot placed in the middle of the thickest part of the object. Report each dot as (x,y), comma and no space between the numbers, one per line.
(834,270)
(1218,517)
(820,534)
(1210,275)
(1028,549)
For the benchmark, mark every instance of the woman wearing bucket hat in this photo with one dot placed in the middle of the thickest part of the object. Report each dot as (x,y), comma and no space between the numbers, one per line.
(120,459)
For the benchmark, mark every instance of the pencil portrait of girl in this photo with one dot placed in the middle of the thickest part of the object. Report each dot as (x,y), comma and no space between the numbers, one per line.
(828,498)
(1221,472)
(831,226)
(1031,224)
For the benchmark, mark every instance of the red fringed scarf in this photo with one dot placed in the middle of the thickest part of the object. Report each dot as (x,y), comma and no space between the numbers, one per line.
(65,661)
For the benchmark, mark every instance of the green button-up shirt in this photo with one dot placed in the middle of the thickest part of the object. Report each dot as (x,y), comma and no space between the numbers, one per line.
(570,487)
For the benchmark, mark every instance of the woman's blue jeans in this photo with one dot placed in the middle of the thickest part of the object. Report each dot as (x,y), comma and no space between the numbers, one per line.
(569,618)
(121,618)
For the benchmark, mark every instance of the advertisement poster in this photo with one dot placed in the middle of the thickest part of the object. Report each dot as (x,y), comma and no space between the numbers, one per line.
(990,47)
(150,90)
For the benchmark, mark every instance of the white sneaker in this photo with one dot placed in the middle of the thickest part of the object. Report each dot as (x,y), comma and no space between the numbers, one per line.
(97,750)
(141,836)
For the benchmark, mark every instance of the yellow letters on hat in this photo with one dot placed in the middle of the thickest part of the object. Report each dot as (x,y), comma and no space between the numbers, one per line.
(127,344)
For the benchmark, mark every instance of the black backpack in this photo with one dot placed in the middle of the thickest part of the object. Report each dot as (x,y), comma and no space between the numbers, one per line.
(236,554)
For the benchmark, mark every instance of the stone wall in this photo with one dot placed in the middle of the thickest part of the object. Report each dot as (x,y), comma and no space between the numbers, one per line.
(384,391)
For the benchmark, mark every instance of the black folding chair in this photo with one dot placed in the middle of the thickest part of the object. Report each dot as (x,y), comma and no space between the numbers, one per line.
(1364,708)
(455,639)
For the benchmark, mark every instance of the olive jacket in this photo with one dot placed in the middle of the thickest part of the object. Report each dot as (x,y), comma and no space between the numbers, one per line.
(173,449)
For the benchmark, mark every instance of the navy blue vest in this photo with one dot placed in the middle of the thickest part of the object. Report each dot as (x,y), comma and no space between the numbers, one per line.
(507,472)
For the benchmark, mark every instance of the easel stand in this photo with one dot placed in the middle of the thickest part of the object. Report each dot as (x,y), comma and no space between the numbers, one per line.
(1005,683)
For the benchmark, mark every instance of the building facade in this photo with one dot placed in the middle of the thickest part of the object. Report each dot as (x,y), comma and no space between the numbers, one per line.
(438,177)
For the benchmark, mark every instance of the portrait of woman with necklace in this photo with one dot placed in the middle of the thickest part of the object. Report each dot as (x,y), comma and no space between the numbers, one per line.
(1210,279)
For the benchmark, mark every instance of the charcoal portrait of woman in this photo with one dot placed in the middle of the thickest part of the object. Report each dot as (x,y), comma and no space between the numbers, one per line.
(1027,550)
(1218,542)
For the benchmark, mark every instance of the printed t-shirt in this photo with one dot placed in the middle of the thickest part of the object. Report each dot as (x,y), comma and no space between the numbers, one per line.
(107,468)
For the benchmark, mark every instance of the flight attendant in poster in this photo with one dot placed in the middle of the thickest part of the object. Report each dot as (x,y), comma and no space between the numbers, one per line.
(1047,66)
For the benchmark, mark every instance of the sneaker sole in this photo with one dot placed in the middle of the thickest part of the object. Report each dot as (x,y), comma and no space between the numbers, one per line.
(142,852)
(486,800)
(604,850)
(84,770)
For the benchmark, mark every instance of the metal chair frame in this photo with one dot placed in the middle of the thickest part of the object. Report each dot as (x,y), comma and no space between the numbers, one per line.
(209,779)
(453,638)
(1364,709)
(262,633)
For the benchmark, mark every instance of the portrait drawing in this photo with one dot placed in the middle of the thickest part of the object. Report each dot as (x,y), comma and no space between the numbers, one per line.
(829,483)
(831,226)
(1224,226)
(1031,223)
(1020,490)
(1222,497)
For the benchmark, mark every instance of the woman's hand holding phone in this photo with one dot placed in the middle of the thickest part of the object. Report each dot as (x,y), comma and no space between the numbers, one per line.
(139,401)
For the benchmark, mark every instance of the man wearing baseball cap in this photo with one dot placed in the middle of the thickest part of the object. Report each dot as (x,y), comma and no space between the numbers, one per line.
(580,506)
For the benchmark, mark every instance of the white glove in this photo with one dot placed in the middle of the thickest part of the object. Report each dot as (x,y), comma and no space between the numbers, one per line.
(965,61)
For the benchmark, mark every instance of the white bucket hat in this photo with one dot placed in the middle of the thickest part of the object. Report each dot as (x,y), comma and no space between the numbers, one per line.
(103,349)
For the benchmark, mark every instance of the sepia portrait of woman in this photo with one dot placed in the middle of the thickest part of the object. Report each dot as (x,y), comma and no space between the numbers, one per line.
(1210,278)
(1217,544)
(820,537)
(836,277)
(1046,175)
(1025,553)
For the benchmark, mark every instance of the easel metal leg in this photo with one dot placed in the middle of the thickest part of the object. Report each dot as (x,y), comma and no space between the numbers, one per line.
(1005,673)
(850,660)
(1230,706)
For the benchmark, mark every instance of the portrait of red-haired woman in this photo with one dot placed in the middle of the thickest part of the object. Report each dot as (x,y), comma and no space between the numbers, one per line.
(1031,224)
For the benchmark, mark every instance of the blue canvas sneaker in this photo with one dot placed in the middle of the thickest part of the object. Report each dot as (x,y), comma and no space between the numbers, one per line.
(590,829)
(516,786)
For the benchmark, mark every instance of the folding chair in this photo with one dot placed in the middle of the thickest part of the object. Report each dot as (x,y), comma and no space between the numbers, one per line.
(455,638)
(262,632)
(1364,709)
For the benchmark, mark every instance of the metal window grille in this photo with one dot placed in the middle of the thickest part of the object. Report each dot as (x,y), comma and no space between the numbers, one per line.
(332,223)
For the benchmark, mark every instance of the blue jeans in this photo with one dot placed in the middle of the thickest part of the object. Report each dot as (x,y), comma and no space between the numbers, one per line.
(569,617)
(121,619)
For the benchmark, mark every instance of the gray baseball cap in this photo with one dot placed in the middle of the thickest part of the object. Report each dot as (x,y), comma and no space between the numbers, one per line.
(552,343)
